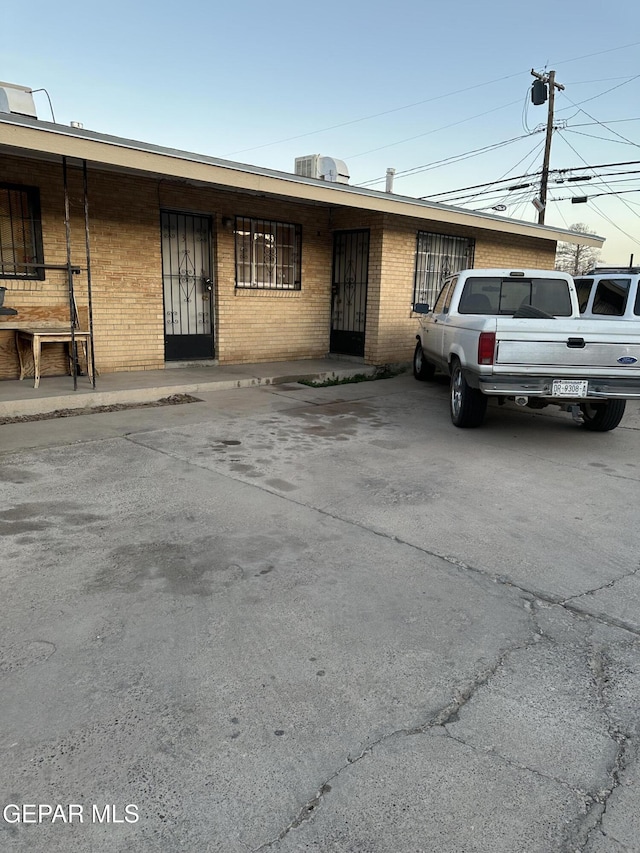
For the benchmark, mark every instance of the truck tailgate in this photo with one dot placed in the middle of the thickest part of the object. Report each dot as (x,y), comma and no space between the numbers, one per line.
(583,344)
(561,354)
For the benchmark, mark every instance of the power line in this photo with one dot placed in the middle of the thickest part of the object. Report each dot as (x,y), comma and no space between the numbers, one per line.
(531,175)
(598,195)
(615,132)
(419,103)
(420,135)
(584,161)
(597,209)
(606,92)
(593,136)
(598,53)
(377,115)
(503,177)
(611,121)
(456,158)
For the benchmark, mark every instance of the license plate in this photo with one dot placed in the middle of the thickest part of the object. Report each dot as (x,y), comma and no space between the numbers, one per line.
(566,388)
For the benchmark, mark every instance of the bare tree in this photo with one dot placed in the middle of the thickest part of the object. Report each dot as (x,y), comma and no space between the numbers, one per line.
(574,258)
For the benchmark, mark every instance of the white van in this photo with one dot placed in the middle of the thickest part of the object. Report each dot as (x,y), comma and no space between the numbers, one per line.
(609,292)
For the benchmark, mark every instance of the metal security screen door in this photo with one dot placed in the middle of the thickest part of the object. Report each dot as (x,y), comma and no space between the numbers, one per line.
(186,276)
(349,291)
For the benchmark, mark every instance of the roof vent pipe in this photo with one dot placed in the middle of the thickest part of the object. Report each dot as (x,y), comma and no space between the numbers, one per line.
(389,184)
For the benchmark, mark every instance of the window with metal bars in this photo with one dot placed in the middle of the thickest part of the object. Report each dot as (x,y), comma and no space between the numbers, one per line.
(20,232)
(267,254)
(437,256)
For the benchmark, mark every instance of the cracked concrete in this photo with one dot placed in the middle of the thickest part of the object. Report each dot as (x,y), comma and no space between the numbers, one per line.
(302,619)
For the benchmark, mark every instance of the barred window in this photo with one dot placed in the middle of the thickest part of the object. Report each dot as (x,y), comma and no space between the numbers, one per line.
(267,254)
(20,232)
(437,256)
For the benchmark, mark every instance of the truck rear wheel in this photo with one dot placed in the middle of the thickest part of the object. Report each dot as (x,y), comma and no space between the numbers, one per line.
(468,405)
(602,417)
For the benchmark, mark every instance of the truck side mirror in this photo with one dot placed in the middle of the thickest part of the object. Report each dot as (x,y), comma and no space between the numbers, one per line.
(421,307)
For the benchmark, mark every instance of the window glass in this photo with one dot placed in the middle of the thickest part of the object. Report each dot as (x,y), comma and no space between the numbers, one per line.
(505,296)
(437,257)
(438,308)
(20,232)
(481,296)
(583,288)
(267,254)
(551,295)
(611,296)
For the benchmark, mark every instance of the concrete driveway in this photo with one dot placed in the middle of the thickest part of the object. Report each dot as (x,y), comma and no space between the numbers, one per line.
(288,619)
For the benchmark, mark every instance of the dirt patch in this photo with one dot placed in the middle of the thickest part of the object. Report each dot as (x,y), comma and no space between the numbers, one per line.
(173,400)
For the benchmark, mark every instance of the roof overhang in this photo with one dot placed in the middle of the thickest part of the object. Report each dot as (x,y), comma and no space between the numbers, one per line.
(22,136)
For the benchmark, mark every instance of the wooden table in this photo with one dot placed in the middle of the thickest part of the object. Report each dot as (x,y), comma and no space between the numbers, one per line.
(37,337)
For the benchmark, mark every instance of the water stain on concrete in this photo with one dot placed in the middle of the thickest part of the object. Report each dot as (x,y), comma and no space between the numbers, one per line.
(25,654)
(281,485)
(14,474)
(203,567)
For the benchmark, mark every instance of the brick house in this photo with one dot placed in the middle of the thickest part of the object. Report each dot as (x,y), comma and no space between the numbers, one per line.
(188,257)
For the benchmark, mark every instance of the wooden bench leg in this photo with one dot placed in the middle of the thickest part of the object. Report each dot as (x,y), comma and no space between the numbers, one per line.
(37,349)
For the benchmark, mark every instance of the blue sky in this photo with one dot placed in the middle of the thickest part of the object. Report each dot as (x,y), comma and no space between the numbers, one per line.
(405,85)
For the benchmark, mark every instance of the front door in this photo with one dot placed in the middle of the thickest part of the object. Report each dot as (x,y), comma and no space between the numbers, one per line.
(188,286)
(349,291)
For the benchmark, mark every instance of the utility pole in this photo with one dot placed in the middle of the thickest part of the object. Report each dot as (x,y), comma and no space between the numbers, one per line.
(549,78)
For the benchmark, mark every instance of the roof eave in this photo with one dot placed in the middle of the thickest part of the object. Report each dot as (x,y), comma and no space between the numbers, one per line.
(46,139)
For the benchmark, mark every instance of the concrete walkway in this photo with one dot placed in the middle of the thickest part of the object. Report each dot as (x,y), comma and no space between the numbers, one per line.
(144,386)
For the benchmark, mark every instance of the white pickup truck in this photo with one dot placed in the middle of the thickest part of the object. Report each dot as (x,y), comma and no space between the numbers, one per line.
(518,335)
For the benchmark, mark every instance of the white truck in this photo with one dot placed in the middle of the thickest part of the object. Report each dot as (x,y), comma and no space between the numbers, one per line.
(518,335)
(609,292)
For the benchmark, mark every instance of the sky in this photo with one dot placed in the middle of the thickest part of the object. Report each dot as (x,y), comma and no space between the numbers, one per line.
(439,92)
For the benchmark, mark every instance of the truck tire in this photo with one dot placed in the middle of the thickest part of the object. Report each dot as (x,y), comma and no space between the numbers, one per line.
(602,417)
(468,405)
(422,369)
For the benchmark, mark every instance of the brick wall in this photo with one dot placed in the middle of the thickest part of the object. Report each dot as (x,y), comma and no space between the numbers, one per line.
(394,338)
(126,269)
(250,325)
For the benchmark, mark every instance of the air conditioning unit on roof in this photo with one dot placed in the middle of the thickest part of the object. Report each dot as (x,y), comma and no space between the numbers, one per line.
(322,168)
(308,167)
(17,100)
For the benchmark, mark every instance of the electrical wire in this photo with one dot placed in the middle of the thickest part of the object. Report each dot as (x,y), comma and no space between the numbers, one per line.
(604,215)
(615,132)
(456,158)
(593,136)
(585,162)
(49,99)
(420,103)
(599,195)
(612,121)
(593,98)
(376,115)
(532,154)
(426,133)
(532,175)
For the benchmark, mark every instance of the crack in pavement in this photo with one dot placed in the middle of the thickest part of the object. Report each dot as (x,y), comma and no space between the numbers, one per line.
(584,795)
(532,592)
(596,803)
(607,585)
(599,664)
(447,714)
